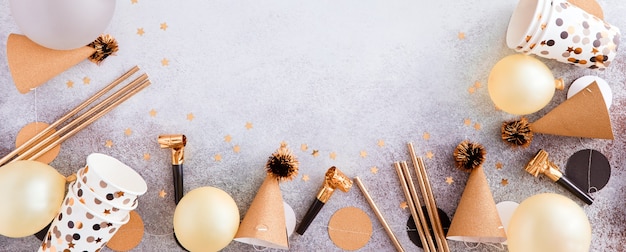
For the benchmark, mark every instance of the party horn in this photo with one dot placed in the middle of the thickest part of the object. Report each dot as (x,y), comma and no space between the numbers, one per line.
(177,144)
(335,179)
(541,164)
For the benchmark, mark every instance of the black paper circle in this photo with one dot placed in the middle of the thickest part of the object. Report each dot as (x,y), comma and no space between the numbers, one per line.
(588,169)
(412,229)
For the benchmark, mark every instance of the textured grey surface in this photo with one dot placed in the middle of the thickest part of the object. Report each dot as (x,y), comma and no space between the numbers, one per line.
(337,76)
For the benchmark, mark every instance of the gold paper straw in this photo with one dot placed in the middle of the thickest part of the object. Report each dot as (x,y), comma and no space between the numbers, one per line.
(429,199)
(379,215)
(67,116)
(418,205)
(409,201)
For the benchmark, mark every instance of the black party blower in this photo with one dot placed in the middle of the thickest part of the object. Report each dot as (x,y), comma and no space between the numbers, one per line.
(177,144)
(541,164)
(334,179)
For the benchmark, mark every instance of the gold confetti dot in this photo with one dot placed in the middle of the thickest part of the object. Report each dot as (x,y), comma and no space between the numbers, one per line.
(449,180)
(304,147)
(165,62)
(381,143)
(477,126)
(315,153)
(461,35)
(236,148)
(249,125)
(467,122)
(228,138)
(363,154)
(86,80)
(108,143)
(305,177)
(504,182)
(70,84)
(374,170)
(404,205)
(162,193)
(128,132)
(332,155)
(217,157)
(153,113)
(140,31)
(477,84)
(190,117)
(471,90)
(430,155)
(426,136)
(499,165)
(164,26)
(146,156)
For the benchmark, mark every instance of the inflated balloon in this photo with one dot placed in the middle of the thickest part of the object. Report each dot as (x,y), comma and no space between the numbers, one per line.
(31,194)
(549,223)
(62,24)
(206,219)
(520,84)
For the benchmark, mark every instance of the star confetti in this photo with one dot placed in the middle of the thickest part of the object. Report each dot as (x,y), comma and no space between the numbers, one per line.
(315,153)
(426,136)
(471,90)
(332,155)
(477,84)
(249,125)
(477,126)
(165,62)
(153,113)
(304,147)
(128,132)
(236,148)
(504,182)
(70,245)
(430,155)
(163,26)
(467,122)
(162,194)
(380,143)
(146,156)
(449,180)
(140,31)
(106,212)
(363,154)
(70,84)
(86,80)
(305,178)
(461,35)
(134,1)
(374,170)
(217,157)
(404,205)
(190,117)
(108,143)
(228,138)
(499,165)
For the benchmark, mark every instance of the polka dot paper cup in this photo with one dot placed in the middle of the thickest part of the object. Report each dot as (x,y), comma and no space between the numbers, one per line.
(76,228)
(97,204)
(114,181)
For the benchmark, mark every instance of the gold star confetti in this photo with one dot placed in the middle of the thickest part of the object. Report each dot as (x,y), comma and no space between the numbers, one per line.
(374,170)
(249,125)
(426,136)
(315,153)
(477,126)
(86,80)
(146,156)
(71,245)
(108,143)
(403,205)
(106,212)
(363,154)
(190,117)
(430,155)
(381,143)
(594,51)
(140,31)
(499,165)
(162,194)
(70,84)
(153,113)
(504,182)
(236,148)
(461,35)
(217,157)
(163,26)
(165,62)
(128,132)
(471,90)
(305,178)
(304,147)
(477,84)
(449,180)
(228,138)
(119,194)
(133,1)
(332,155)
(467,122)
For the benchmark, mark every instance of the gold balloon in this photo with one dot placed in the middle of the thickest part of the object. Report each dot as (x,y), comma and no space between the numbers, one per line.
(206,219)
(31,194)
(549,223)
(520,84)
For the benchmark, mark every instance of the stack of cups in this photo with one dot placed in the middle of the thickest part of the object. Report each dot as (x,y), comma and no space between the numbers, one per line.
(97,204)
(557,29)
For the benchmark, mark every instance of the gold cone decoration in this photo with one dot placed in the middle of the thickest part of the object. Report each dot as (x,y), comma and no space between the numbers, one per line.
(476,218)
(264,223)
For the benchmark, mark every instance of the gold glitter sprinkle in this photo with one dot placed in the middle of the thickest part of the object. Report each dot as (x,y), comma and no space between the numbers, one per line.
(333,155)
(190,117)
(430,155)
(461,35)
(467,122)
(86,80)
(304,147)
(381,143)
(471,90)
(153,113)
(449,180)
(305,178)
(315,153)
(70,84)
(403,205)
(140,31)
(236,148)
(374,170)
(217,157)
(477,126)
(146,156)
(426,136)
(164,26)
(363,154)
(504,182)
(162,194)
(249,125)
(477,84)
(228,138)
(165,62)
(128,132)
(108,143)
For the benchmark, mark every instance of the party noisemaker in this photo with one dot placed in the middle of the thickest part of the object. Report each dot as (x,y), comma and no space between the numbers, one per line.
(177,144)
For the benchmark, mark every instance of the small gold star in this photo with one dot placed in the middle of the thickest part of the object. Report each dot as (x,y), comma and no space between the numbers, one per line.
(153,113)
(228,138)
(471,90)
(467,122)
(426,136)
(461,35)
(430,155)
(128,132)
(305,178)
(315,153)
(504,182)
(162,194)
(217,157)
(133,1)
(374,170)
(236,148)
(146,156)
(98,240)
(249,125)
(165,62)
(119,194)
(333,155)
(449,180)
(108,143)
(404,205)
(380,143)
(499,165)
(163,26)
(86,80)
(190,117)
(304,147)
(594,51)
(70,245)
(363,154)
(477,126)
(70,84)
(106,212)
(140,31)
(477,84)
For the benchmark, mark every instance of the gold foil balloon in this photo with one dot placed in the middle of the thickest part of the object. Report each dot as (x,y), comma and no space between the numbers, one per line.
(31,194)
(549,223)
(206,219)
(520,84)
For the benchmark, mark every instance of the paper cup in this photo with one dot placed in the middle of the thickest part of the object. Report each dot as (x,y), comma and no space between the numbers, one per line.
(117,183)
(524,22)
(76,228)
(576,37)
(97,204)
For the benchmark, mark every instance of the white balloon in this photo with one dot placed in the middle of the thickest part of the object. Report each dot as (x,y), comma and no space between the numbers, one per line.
(62,24)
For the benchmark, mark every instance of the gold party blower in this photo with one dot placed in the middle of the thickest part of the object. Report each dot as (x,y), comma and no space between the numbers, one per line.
(177,144)
(334,179)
